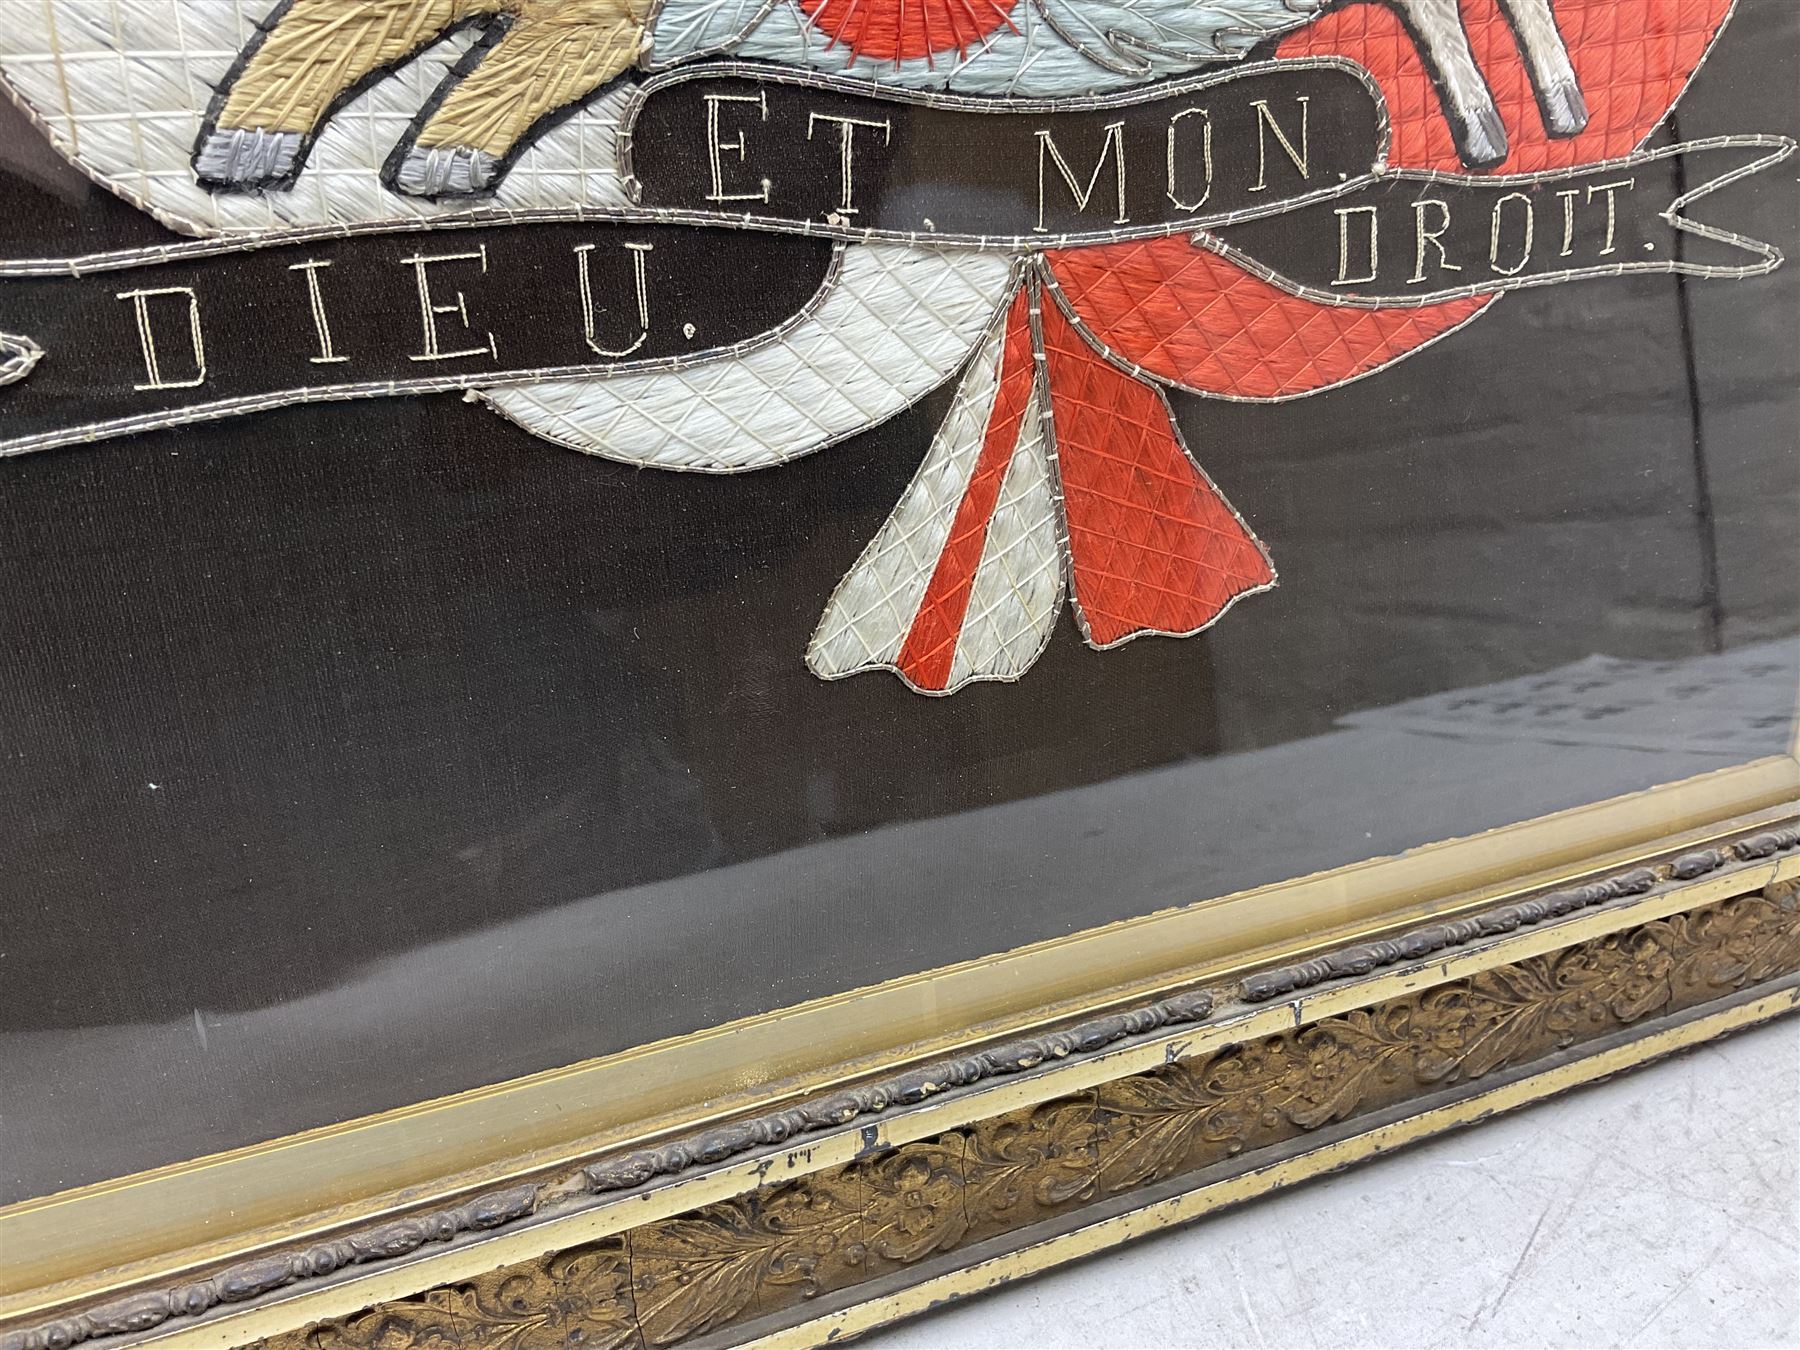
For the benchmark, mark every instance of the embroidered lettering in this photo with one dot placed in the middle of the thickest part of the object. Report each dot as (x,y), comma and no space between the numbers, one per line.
(1048,151)
(430,309)
(715,147)
(847,150)
(154,378)
(1612,208)
(640,288)
(1265,124)
(1343,218)
(1206,159)
(1494,236)
(1434,237)
(321,323)
(1568,196)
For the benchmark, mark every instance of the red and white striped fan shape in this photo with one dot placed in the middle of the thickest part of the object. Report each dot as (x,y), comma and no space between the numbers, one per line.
(1053,470)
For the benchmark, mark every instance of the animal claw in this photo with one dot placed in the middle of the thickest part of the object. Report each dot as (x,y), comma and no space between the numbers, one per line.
(1484,137)
(1437,27)
(246,157)
(1565,110)
(445,171)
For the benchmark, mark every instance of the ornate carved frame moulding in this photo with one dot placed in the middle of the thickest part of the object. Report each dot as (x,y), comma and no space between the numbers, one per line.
(822,1218)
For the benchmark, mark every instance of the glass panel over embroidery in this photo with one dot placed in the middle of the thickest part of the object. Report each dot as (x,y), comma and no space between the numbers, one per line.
(1035,464)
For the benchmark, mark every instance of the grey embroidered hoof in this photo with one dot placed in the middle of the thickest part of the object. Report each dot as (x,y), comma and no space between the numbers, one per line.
(1484,136)
(445,171)
(1565,110)
(1547,57)
(1437,29)
(246,157)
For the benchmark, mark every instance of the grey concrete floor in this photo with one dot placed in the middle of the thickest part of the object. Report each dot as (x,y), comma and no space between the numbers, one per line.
(1661,1209)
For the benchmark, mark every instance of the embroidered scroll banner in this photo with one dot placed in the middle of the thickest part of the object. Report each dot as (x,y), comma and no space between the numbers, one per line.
(790,150)
(719,266)
(206,330)
(1279,169)
(1420,238)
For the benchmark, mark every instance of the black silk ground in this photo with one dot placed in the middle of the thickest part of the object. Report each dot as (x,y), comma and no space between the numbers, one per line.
(359,753)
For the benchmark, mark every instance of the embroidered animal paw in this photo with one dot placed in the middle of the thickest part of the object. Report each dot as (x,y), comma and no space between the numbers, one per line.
(535,58)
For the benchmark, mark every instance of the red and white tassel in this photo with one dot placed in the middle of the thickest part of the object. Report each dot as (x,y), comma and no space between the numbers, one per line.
(964,581)
(1052,467)
(1154,547)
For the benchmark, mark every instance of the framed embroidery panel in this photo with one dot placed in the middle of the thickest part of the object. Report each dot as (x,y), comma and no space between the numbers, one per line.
(707,672)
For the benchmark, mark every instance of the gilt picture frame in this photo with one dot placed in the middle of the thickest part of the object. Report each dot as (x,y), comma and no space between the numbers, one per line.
(468,892)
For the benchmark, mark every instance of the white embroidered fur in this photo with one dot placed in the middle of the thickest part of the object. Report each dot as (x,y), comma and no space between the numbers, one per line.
(1044,48)
(123,86)
(897,322)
